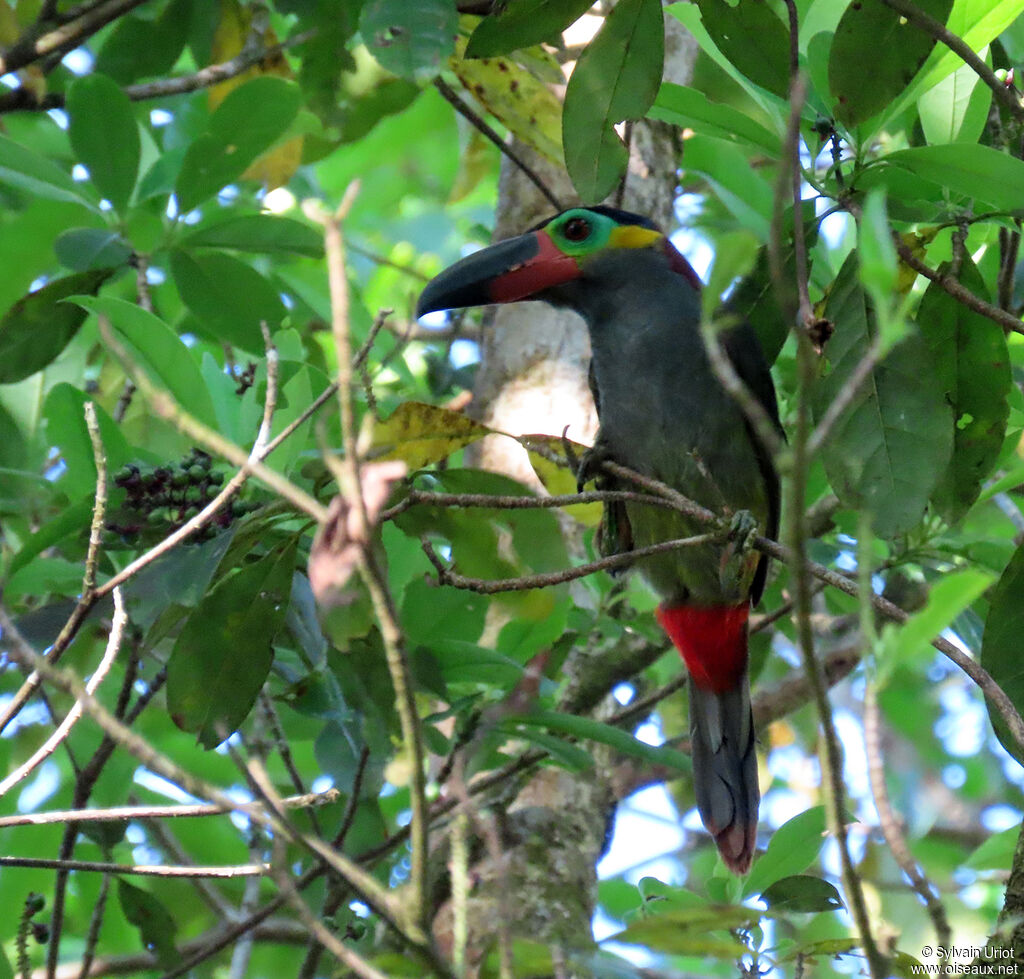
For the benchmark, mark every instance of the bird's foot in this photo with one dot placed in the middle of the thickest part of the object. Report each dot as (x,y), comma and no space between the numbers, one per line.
(739,559)
(589,466)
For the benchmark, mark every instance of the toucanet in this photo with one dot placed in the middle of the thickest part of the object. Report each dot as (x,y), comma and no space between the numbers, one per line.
(662,413)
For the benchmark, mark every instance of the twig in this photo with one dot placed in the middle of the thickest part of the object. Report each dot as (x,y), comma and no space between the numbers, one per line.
(484,586)
(453,98)
(375,581)
(30,48)
(139,870)
(845,397)
(370,891)
(64,728)
(127,813)
(830,754)
(168,409)
(23,98)
(92,936)
(890,824)
(88,596)
(486,501)
(752,409)
(946,282)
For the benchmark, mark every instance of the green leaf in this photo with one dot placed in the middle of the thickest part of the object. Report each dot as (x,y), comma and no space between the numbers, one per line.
(86,249)
(890,446)
(973,365)
(139,48)
(24,168)
(615,78)
(877,252)
(419,434)
(37,328)
(248,122)
(267,234)
(585,727)
(155,924)
(155,348)
(990,178)
(702,931)
(792,848)
(802,893)
(996,853)
(1000,645)
(753,37)
(947,598)
(956,110)
(523,23)
(872,34)
(105,135)
(223,654)
(689,108)
(412,40)
(977,23)
(229,298)
(64,411)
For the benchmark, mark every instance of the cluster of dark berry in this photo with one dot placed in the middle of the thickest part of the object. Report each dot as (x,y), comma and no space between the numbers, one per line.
(160,499)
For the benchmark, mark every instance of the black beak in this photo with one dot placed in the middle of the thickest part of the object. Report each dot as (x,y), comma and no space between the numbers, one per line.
(518,268)
(468,282)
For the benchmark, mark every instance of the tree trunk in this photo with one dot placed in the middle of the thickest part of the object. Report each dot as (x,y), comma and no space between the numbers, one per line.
(535,877)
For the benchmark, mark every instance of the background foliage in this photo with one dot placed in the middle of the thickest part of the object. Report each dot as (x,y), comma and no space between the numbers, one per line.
(155,158)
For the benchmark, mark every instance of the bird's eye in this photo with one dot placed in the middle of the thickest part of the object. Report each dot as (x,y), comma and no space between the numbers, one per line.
(576,229)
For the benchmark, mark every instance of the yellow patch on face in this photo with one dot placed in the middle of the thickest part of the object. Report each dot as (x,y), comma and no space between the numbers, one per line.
(633,236)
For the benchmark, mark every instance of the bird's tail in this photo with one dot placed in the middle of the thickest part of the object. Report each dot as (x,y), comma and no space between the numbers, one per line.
(713,642)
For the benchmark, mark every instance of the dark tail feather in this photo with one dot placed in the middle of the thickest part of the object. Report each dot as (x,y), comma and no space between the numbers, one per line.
(725,769)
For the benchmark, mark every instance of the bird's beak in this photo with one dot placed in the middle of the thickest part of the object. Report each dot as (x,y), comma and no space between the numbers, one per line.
(518,268)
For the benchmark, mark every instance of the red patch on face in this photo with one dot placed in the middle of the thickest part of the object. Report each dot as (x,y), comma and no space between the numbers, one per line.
(549,267)
(712,640)
(680,265)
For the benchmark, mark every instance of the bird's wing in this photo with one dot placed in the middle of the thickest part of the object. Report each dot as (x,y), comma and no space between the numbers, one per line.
(744,352)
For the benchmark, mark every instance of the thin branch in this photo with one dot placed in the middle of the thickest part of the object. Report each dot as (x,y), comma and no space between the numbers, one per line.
(890,824)
(373,578)
(168,409)
(92,936)
(830,754)
(946,282)
(1007,95)
(139,870)
(23,98)
(486,501)
(370,891)
(88,594)
(50,745)
(845,397)
(31,47)
(484,586)
(482,126)
(128,813)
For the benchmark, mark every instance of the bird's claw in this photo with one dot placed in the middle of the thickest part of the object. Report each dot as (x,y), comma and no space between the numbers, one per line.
(739,559)
(589,466)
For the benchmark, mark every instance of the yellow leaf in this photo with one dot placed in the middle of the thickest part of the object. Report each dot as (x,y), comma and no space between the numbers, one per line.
(8,24)
(419,434)
(275,167)
(510,93)
(558,480)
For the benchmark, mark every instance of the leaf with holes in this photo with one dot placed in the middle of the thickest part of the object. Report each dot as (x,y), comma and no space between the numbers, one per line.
(875,55)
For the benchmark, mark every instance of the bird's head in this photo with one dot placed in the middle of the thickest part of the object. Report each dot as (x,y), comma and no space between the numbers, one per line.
(580,248)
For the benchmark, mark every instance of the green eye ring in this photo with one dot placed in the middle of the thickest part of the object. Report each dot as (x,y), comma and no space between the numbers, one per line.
(580,232)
